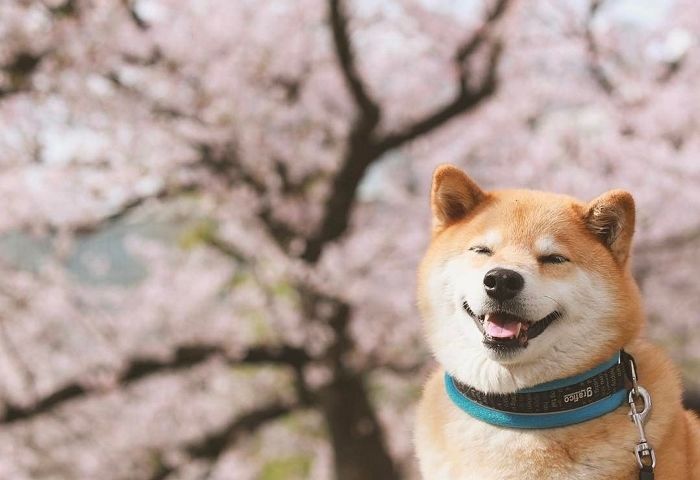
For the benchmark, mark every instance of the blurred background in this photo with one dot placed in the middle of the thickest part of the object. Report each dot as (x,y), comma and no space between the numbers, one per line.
(213,211)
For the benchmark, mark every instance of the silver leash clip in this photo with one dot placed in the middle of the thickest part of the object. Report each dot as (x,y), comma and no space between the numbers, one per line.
(644,453)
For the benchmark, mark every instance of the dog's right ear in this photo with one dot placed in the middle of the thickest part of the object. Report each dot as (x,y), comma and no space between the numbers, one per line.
(453,195)
(610,217)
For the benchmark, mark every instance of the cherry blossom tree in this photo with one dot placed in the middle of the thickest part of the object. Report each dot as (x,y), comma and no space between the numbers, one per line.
(215,210)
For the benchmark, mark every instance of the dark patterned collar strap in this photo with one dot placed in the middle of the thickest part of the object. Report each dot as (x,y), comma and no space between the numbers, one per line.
(554,404)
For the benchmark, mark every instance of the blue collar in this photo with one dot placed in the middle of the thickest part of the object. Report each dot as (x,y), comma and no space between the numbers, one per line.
(554,404)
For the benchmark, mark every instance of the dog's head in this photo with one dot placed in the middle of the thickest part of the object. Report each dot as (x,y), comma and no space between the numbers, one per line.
(520,287)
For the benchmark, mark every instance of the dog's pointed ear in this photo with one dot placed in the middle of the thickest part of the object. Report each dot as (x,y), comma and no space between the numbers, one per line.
(611,218)
(453,195)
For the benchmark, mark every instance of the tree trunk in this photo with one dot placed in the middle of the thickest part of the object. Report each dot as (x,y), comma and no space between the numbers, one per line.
(356,435)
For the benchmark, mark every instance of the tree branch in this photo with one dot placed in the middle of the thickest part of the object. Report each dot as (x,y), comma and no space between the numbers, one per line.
(156,107)
(483,33)
(280,354)
(19,71)
(165,193)
(360,151)
(226,249)
(595,66)
(212,445)
(224,163)
(139,22)
(141,368)
(346,60)
(68,8)
(466,99)
(364,148)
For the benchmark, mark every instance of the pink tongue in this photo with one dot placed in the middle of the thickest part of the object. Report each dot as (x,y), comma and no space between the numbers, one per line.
(502,330)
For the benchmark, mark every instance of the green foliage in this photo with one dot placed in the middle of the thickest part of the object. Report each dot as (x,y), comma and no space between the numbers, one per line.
(199,233)
(239,277)
(307,424)
(287,468)
(262,330)
(285,290)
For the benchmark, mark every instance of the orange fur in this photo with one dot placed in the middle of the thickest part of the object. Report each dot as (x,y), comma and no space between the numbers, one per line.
(596,238)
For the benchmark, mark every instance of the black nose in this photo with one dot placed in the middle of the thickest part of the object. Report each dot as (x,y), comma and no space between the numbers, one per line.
(503,284)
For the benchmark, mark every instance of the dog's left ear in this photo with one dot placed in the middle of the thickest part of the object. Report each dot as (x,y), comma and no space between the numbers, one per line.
(611,218)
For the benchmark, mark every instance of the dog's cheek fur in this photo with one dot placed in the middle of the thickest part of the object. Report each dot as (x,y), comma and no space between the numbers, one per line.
(452,335)
(588,322)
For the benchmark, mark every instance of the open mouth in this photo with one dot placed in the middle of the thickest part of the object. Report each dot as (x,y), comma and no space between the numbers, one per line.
(507,331)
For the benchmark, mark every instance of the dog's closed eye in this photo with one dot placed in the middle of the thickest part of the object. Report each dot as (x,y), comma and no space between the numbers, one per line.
(553,258)
(481,250)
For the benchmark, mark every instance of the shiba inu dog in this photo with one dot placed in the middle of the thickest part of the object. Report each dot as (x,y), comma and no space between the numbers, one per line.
(531,311)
